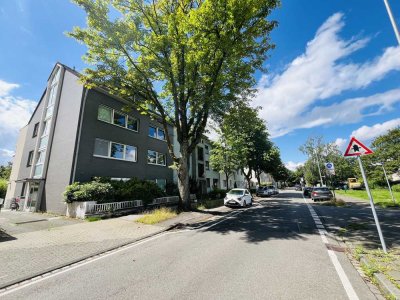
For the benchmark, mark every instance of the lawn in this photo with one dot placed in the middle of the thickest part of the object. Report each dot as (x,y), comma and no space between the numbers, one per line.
(157,216)
(381,196)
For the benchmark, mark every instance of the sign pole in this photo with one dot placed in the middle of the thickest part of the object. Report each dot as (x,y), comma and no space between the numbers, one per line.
(371,200)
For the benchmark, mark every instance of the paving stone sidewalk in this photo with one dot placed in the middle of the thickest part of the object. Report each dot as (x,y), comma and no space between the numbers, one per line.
(32,243)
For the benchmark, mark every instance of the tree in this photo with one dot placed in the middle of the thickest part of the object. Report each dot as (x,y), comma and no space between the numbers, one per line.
(387,151)
(189,59)
(5,171)
(320,153)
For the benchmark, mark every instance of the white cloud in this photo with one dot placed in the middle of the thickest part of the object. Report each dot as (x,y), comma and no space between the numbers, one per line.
(291,165)
(14,114)
(367,133)
(341,143)
(318,74)
(6,87)
(6,153)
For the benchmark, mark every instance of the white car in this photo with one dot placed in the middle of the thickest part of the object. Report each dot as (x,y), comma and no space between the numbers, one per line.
(238,197)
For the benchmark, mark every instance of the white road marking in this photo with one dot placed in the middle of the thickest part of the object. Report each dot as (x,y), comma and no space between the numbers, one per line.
(338,267)
(89,260)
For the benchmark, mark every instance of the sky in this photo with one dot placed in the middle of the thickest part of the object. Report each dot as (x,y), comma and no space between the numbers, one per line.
(335,71)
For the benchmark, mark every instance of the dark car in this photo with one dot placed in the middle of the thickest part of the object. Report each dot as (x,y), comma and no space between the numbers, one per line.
(321,193)
(307,191)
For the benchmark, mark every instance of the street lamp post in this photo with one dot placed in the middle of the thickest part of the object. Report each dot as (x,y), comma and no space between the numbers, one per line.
(396,30)
(387,180)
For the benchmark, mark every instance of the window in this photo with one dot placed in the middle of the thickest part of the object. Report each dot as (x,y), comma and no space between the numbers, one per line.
(119,119)
(101,147)
(35,130)
(200,169)
(156,133)
(215,183)
(153,132)
(225,183)
(114,150)
(117,151)
(200,153)
(46,128)
(130,153)
(30,158)
(132,124)
(23,190)
(156,158)
(208,182)
(114,117)
(49,112)
(43,142)
(206,147)
(38,170)
(41,156)
(207,165)
(104,114)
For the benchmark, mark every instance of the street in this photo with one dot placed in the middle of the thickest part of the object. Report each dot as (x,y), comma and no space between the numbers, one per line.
(272,250)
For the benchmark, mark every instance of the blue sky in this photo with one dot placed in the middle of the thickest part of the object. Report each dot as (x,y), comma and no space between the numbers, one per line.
(334,72)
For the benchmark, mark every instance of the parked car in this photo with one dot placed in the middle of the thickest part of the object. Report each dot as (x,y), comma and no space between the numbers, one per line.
(263,191)
(238,197)
(321,193)
(272,190)
(307,191)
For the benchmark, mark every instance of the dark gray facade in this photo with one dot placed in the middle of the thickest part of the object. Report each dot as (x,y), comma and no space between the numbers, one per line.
(64,147)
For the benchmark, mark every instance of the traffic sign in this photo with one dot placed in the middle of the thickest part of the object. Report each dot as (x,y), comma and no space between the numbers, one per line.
(356,148)
(330,168)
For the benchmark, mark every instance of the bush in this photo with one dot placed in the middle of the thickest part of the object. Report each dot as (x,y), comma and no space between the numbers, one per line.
(396,188)
(217,194)
(90,191)
(3,188)
(136,189)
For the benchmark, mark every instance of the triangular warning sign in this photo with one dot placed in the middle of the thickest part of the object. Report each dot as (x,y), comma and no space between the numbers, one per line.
(356,148)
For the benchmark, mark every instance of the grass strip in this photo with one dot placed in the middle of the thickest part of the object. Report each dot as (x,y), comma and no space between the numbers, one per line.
(157,216)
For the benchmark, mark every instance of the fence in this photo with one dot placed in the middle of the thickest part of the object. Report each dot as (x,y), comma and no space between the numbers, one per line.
(165,200)
(104,207)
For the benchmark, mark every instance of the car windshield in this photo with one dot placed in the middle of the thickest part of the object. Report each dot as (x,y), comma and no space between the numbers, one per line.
(236,192)
(321,189)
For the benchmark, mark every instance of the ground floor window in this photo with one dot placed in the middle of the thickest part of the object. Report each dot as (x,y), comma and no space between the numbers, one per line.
(215,183)
(208,182)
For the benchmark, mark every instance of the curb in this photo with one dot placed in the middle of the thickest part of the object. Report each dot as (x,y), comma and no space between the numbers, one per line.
(10,284)
(384,284)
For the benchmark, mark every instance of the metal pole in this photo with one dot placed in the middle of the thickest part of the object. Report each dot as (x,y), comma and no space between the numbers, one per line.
(319,169)
(387,180)
(371,200)
(396,30)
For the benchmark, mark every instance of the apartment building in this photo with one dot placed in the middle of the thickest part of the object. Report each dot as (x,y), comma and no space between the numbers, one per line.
(75,134)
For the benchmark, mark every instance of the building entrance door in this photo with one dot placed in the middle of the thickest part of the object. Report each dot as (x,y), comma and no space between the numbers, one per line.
(32,197)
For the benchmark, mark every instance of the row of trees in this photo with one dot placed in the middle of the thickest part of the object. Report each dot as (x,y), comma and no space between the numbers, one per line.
(190,59)
(5,172)
(386,150)
(244,145)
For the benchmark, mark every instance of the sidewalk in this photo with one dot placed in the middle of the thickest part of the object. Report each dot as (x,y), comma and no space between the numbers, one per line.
(33,245)
(355,226)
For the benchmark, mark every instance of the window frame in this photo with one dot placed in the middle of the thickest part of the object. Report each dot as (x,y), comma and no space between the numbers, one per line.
(121,113)
(30,158)
(109,151)
(157,135)
(157,154)
(35,130)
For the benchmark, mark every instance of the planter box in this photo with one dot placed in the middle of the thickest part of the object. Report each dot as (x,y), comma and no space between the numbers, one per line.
(78,209)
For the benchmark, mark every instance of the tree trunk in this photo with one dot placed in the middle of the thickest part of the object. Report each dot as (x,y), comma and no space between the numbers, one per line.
(183,180)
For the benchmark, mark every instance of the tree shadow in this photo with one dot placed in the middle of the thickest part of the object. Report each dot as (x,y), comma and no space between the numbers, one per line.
(4,237)
(272,219)
(356,224)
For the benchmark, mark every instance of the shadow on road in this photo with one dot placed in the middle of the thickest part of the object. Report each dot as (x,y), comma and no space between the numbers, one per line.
(4,237)
(272,218)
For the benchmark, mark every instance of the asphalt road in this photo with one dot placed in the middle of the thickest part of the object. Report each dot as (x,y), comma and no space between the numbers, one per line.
(272,250)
